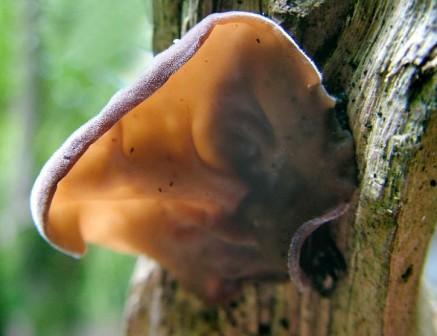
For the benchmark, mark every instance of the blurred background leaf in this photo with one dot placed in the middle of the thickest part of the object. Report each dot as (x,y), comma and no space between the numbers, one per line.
(60,62)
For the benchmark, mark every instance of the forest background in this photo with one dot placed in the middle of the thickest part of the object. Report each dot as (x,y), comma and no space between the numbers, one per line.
(60,61)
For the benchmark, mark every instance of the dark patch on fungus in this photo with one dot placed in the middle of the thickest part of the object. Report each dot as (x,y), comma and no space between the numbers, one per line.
(432,183)
(322,261)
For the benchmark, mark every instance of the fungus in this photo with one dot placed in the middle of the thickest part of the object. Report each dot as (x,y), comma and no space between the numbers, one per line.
(210,163)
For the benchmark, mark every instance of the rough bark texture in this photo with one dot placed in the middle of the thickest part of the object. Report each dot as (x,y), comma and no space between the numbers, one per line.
(380,56)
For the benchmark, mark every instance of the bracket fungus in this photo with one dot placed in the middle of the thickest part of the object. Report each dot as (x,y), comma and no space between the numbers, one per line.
(224,151)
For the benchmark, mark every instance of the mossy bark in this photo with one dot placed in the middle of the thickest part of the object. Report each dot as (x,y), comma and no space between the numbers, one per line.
(380,56)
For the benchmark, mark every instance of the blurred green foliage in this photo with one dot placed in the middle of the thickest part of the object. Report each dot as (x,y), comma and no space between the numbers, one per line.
(66,59)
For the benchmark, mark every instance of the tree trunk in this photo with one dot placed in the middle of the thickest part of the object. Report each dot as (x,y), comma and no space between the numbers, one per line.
(381,55)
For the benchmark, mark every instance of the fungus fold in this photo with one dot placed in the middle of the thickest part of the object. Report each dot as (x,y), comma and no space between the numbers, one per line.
(209,163)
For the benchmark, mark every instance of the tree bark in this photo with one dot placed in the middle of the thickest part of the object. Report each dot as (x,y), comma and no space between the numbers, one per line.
(381,55)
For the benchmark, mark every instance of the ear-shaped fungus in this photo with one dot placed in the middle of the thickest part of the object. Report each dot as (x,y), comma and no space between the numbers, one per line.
(209,163)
